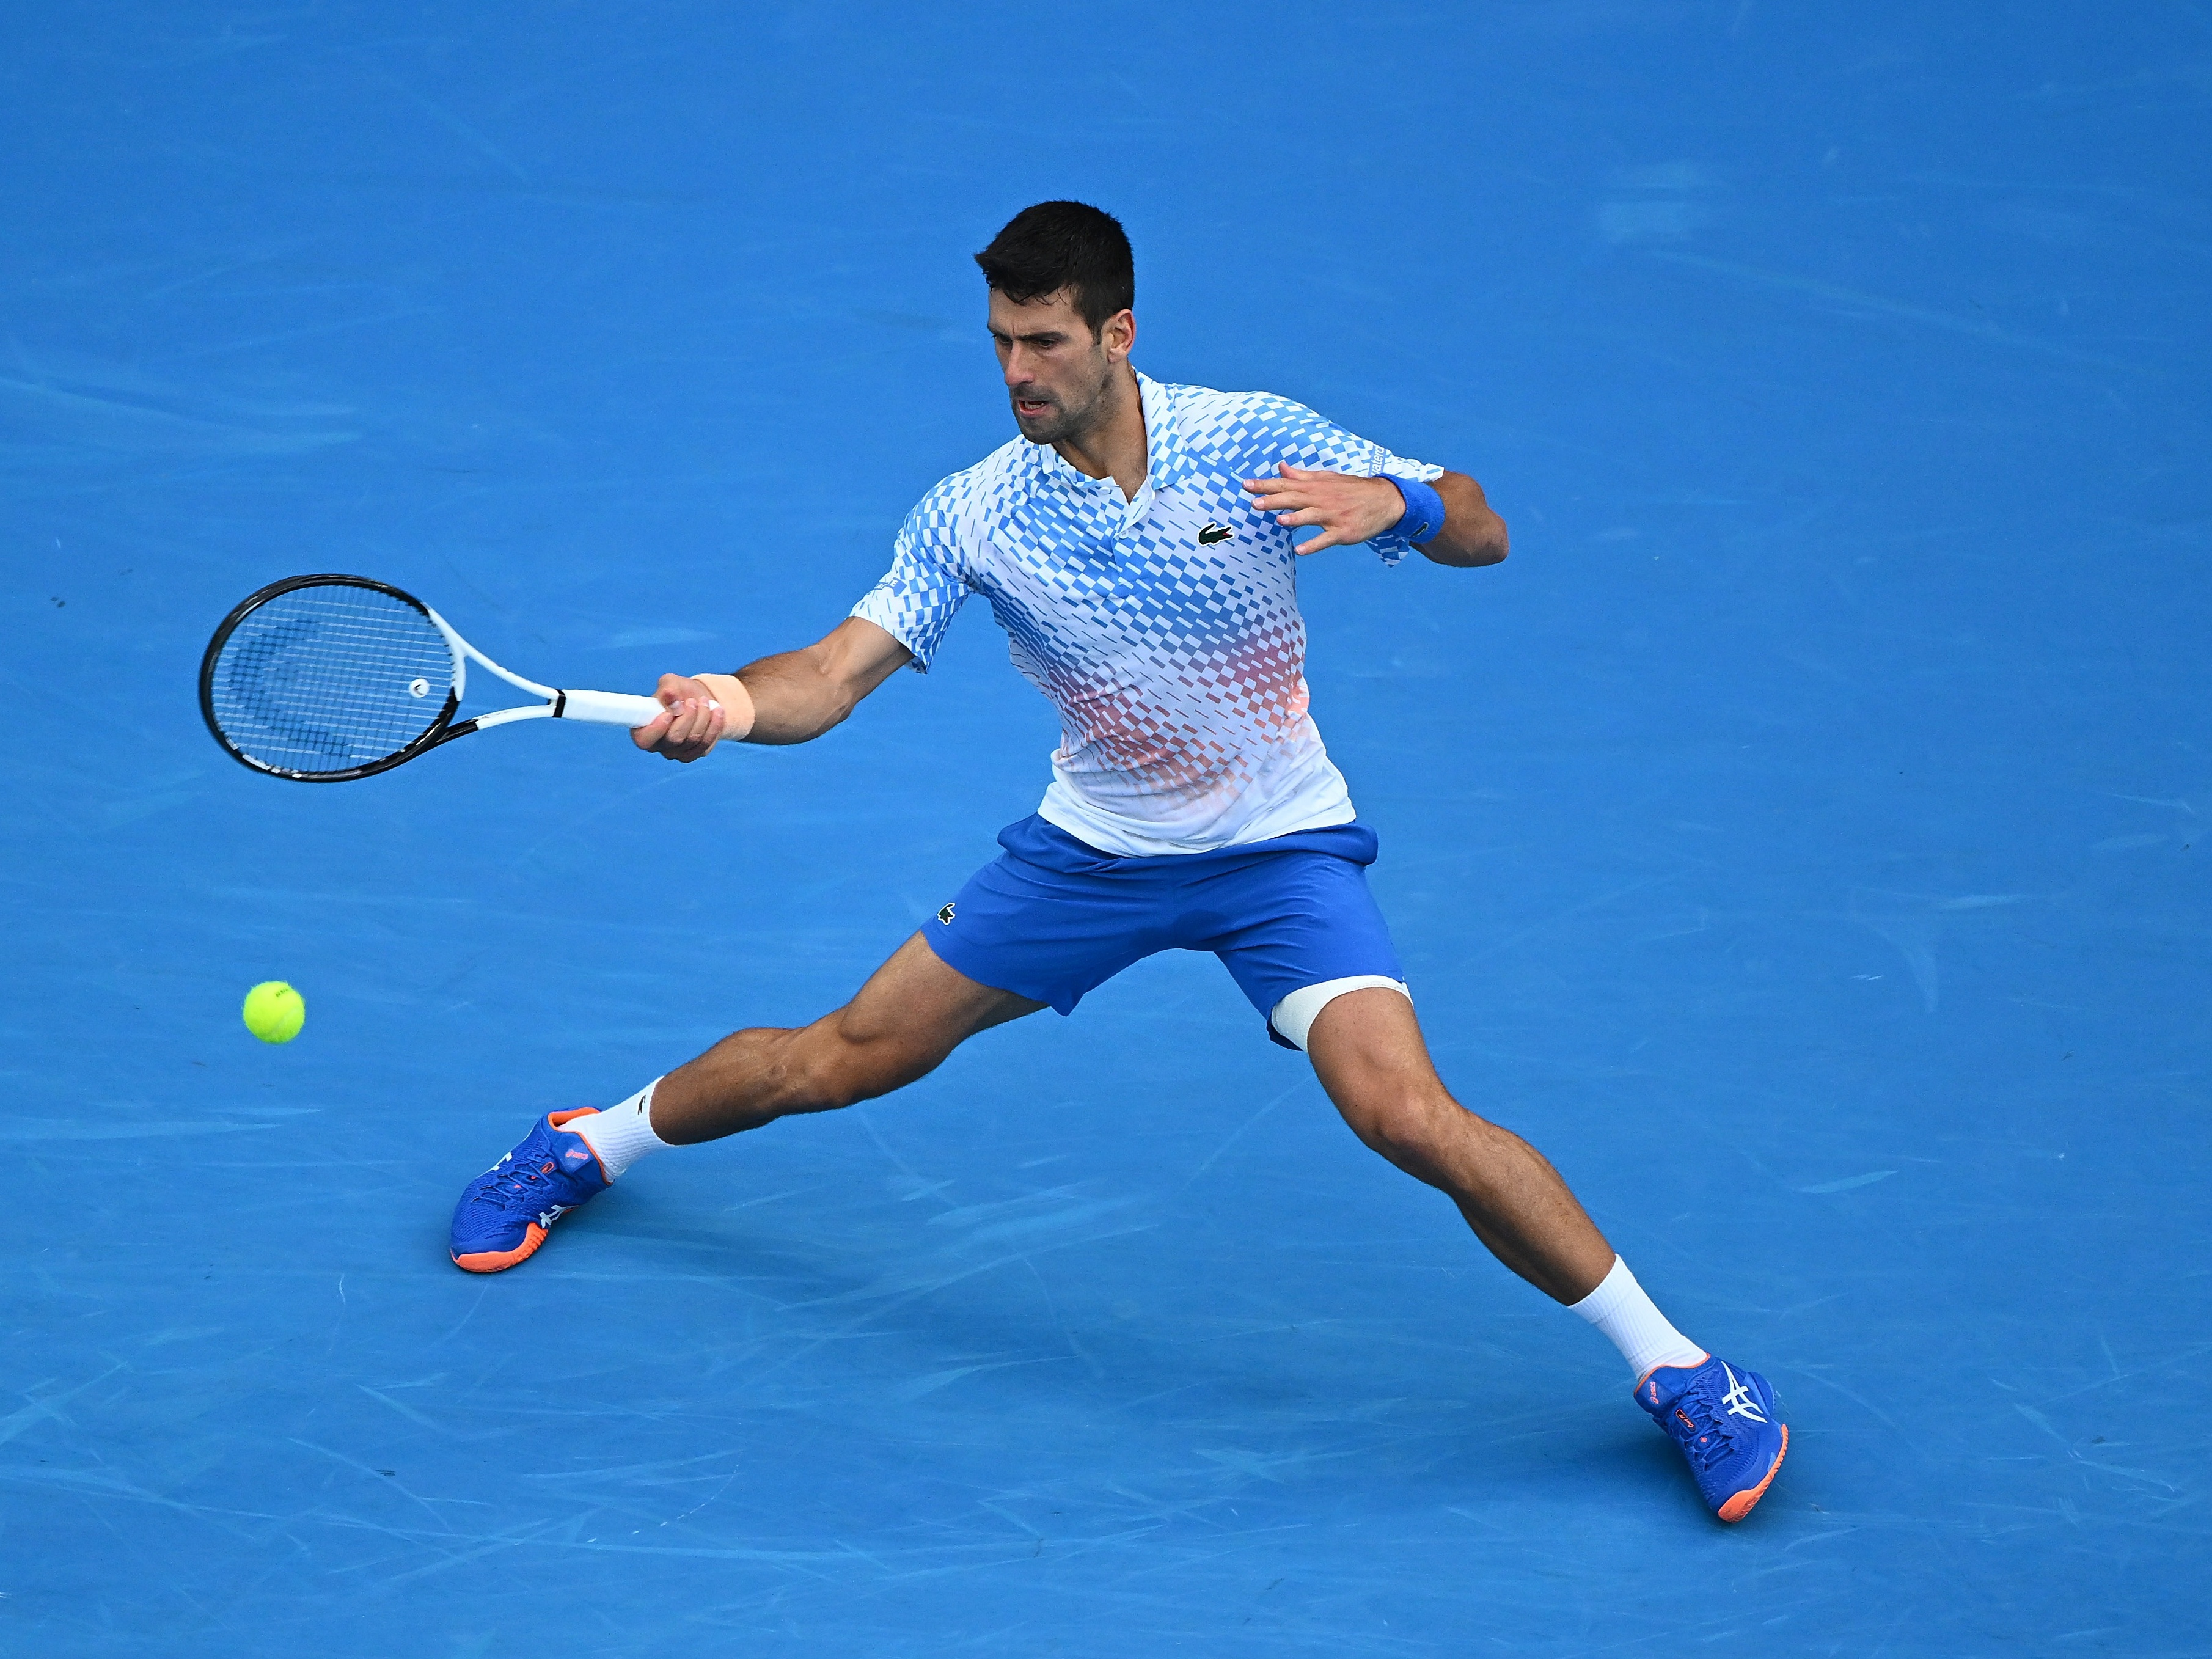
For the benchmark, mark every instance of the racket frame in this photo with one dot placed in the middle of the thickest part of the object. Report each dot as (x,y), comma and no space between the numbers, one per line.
(593,708)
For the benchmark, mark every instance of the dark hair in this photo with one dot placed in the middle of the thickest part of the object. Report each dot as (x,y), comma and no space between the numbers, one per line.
(1064,245)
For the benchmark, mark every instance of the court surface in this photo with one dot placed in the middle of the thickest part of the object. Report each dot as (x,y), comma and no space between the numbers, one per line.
(1800,839)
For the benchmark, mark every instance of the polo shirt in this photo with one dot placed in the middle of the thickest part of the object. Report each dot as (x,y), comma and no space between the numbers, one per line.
(1164,628)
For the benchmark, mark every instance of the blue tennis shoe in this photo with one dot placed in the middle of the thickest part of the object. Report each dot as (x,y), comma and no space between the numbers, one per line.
(505,1213)
(1725,1422)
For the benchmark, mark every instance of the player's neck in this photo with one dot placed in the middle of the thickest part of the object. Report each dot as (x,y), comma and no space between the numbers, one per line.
(1112,446)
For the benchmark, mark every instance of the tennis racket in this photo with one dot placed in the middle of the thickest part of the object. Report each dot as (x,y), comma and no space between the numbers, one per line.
(323,680)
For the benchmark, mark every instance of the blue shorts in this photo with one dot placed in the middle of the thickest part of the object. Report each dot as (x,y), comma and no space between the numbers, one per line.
(1052,917)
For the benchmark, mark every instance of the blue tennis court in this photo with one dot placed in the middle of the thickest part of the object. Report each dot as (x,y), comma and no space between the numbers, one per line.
(1797,839)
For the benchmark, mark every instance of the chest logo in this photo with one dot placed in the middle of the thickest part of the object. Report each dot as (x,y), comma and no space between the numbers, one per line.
(1212,533)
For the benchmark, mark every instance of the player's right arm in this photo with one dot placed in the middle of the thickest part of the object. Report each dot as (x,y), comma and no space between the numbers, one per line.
(787,698)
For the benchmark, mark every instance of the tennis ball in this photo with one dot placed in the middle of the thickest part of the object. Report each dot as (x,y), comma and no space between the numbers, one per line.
(274,1011)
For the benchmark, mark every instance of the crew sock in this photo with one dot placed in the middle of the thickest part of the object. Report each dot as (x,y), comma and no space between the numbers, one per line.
(1619,1309)
(623,1134)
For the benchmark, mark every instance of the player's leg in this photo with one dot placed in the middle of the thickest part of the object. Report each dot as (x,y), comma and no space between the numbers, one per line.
(914,1010)
(1367,1050)
(1041,918)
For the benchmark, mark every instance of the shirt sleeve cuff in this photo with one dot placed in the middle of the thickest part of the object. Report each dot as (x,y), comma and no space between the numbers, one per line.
(878,608)
(1419,471)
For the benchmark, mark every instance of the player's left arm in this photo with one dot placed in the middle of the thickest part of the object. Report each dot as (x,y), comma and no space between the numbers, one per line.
(1351,509)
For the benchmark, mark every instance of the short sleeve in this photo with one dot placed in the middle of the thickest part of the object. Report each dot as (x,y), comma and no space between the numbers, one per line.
(922,591)
(1270,430)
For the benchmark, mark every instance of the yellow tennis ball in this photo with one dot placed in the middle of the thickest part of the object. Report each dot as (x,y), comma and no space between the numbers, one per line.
(274,1011)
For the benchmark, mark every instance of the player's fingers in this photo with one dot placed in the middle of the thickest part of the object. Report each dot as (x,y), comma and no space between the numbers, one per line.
(693,729)
(694,723)
(680,727)
(1327,538)
(648,736)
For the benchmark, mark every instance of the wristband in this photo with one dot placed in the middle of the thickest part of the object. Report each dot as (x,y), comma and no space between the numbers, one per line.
(1424,511)
(737,714)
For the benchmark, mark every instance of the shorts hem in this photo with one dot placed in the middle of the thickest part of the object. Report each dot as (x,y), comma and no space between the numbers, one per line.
(937,944)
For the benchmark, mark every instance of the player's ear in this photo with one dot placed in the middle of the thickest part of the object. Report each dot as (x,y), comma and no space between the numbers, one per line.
(1118,333)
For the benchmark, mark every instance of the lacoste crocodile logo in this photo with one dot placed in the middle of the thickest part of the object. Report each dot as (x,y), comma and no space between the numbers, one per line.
(945,915)
(1212,533)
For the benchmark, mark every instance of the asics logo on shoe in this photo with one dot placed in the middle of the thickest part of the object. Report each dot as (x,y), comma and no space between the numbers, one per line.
(547,1218)
(1740,1401)
(577,1154)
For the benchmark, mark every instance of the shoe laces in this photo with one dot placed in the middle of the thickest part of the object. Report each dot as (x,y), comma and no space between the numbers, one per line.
(519,1186)
(1713,1433)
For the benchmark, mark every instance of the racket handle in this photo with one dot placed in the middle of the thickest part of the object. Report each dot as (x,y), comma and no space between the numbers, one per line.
(609,708)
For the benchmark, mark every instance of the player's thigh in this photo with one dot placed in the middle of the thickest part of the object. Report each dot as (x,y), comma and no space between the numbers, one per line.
(1367,1049)
(1368,1052)
(916,1009)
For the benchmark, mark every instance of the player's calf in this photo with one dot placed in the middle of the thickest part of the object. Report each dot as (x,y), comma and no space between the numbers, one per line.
(912,1013)
(752,1078)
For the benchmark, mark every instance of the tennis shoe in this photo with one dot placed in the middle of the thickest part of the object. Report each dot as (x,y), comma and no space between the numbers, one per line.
(1725,1422)
(505,1213)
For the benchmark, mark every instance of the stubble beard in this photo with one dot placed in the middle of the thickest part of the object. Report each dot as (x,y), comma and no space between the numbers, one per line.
(1061,421)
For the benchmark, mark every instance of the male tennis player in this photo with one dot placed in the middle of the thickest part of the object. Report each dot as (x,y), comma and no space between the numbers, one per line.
(1135,542)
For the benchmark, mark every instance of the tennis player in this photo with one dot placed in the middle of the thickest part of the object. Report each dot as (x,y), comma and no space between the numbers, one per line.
(1136,542)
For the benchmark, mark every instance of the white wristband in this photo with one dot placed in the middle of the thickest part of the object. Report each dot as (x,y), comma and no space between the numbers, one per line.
(737,704)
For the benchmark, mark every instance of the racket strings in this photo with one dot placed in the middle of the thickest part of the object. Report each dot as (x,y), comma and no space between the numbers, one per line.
(329,678)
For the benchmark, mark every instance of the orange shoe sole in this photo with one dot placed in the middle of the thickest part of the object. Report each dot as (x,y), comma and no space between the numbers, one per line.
(1738,1506)
(493,1261)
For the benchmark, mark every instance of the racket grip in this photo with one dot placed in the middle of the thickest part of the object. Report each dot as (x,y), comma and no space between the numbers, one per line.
(609,708)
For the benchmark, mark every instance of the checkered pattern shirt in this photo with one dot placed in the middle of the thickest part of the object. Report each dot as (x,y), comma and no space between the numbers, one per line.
(1165,630)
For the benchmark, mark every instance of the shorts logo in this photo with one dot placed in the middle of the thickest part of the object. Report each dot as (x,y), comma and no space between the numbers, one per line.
(1212,533)
(945,915)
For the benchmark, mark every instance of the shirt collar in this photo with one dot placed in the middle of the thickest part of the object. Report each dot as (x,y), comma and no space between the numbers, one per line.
(1165,457)
(1163,449)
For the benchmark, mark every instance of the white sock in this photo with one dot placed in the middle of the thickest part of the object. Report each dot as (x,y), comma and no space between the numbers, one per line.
(621,1135)
(1619,1309)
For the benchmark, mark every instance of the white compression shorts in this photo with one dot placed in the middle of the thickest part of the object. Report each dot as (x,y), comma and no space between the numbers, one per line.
(1293,1017)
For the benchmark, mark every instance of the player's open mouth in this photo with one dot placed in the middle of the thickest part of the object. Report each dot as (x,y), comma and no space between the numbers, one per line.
(1030,411)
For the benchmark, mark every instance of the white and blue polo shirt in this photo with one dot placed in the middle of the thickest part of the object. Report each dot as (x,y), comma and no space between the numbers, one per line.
(1165,630)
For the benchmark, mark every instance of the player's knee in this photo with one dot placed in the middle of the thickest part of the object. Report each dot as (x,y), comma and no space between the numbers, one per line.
(1412,1128)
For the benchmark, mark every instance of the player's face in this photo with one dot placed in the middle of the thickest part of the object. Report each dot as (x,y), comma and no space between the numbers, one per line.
(1060,376)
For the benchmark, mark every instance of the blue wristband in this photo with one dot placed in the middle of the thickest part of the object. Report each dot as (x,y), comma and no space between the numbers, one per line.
(1424,511)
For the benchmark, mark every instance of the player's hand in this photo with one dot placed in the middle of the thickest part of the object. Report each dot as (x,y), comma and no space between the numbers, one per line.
(691,725)
(1346,508)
